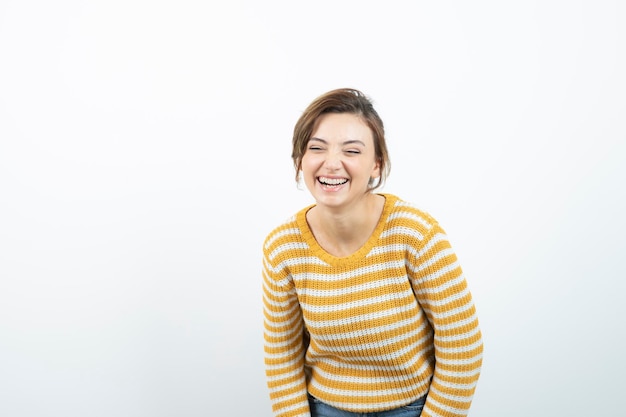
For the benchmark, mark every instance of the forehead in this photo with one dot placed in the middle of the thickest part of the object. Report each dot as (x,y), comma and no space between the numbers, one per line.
(344,126)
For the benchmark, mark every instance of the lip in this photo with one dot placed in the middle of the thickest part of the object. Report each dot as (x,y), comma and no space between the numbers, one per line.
(330,187)
(332,179)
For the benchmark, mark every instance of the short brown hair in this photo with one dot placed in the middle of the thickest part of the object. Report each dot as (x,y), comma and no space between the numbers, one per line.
(342,100)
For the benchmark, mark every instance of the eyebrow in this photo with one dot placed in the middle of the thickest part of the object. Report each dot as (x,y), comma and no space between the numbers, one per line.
(347,142)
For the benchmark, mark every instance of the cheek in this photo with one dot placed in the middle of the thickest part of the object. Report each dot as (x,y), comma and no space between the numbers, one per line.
(309,162)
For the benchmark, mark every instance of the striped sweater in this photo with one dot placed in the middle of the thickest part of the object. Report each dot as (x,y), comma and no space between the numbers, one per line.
(382,327)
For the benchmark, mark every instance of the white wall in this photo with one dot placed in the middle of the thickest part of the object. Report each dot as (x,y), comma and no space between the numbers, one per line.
(144,155)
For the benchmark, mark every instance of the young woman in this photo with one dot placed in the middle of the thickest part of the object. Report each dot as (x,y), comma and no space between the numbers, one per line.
(367,311)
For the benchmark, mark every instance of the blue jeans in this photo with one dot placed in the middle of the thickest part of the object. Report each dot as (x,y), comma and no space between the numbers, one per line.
(319,409)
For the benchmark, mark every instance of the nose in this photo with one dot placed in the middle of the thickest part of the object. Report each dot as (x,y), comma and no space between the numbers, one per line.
(332,161)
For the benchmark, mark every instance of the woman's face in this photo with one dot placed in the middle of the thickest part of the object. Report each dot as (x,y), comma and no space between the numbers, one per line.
(340,160)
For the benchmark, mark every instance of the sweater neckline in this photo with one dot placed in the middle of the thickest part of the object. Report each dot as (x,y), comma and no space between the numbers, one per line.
(360,253)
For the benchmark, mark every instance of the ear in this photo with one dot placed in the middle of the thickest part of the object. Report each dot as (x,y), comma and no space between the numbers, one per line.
(376,169)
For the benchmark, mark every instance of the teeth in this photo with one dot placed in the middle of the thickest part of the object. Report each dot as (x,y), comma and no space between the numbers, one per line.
(333,181)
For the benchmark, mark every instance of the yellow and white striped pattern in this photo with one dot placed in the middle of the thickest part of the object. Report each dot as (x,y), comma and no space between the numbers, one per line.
(388,324)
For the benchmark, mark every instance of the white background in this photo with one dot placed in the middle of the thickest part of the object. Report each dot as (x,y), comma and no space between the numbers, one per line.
(145,153)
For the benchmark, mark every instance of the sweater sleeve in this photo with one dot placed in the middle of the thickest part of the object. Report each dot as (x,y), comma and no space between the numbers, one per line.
(442,292)
(283,336)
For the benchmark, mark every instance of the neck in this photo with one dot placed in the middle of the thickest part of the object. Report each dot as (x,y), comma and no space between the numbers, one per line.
(348,217)
(342,231)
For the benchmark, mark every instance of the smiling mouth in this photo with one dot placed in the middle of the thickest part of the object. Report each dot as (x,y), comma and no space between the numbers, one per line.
(332,182)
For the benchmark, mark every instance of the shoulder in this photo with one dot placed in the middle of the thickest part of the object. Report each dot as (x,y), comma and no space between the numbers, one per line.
(406,218)
(283,236)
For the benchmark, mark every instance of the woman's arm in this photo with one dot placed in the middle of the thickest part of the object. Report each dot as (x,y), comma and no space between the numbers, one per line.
(284,348)
(443,294)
